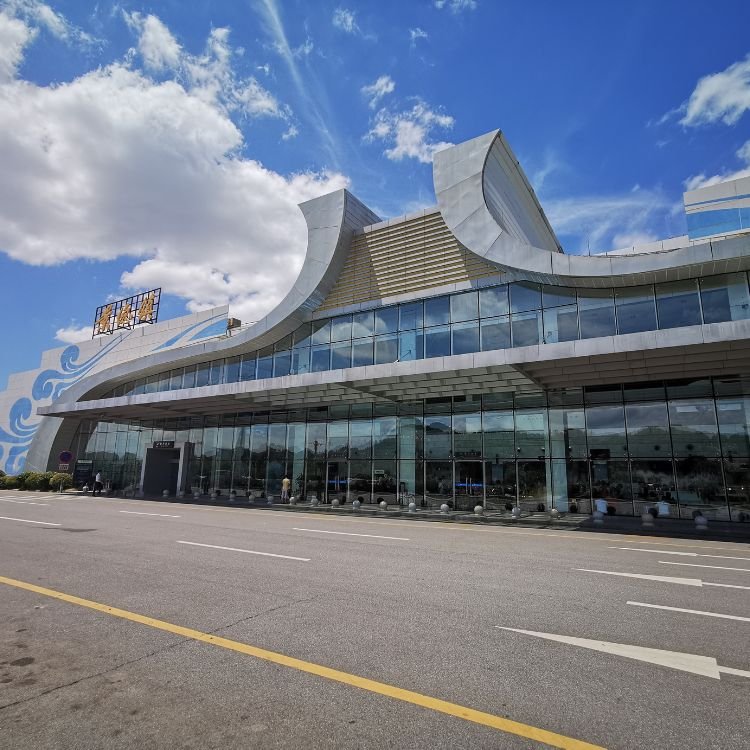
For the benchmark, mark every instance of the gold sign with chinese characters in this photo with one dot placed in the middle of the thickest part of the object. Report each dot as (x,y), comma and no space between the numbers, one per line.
(127,313)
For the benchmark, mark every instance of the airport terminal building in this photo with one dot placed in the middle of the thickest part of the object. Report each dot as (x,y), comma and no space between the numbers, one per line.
(455,355)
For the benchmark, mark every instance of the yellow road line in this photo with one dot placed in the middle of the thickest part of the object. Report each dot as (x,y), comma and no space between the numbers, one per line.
(380,688)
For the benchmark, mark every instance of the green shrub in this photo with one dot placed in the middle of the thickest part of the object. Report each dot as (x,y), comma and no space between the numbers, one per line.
(36,480)
(59,478)
(2,473)
(21,479)
(8,483)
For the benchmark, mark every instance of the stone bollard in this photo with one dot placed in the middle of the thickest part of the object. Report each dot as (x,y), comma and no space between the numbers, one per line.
(314,501)
(647,521)
(478,510)
(383,505)
(356,504)
(598,518)
(444,509)
(516,512)
(165,493)
(701,523)
(412,507)
(554,514)
(292,500)
(335,502)
(196,495)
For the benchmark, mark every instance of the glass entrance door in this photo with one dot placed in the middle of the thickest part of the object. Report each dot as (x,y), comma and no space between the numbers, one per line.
(438,483)
(337,481)
(469,484)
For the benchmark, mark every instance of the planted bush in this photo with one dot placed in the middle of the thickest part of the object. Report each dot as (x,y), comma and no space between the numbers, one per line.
(60,478)
(8,483)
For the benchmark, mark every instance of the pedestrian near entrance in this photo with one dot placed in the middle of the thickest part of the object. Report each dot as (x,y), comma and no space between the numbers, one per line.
(285,485)
(98,484)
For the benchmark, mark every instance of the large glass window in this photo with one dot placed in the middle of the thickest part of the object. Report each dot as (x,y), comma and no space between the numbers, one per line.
(320,358)
(363,324)
(725,298)
(596,309)
(606,431)
(493,301)
(526,328)
(648,429)
(438,483)
(362,352)
(464,306)
(360,439)
(410,345)
(282,363)
(386,320)
(300,361)
(321,331)
(437,437)
(499,435)
(557,296)
(386,349)
(232,370)
(265,363)
(677,304)
(338,439)
(525,296)
(341,328)
(560,324)
(495,333)
(654,487)
(465,337)
(694,429)
(700,487)
(385,437)
(437,311)
(531,433)
(341,355)
(437,341)
(467,435)
(411,316)
(247,367)
(734,425)
(636,310)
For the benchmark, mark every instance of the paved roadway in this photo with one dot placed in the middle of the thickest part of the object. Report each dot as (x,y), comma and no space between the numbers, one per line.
(394,629)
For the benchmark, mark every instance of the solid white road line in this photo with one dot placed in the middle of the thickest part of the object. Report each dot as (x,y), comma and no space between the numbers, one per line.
(693,663)
(246,551)
(347,533)
(691,611)
(695,565)
(140,513)
(20,502)
(26,520)
(684,554)
(663,579)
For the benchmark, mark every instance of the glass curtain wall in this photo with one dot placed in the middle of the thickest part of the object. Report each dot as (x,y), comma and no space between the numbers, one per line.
(674,449)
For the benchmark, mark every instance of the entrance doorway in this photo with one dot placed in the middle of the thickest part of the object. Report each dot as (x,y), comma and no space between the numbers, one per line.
(336,481)
(469,484)
(161,471)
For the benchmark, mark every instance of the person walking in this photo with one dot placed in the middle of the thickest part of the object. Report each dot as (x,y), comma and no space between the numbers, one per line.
(285,485)
(98,484)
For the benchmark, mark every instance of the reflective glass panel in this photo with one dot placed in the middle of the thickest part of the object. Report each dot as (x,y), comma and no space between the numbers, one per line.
(525,296)
(438,483)
(495,333)
(301,337)
(561,324)
(694,429)
(465,337)
(282,362)
(386,320)
(464,306)
(410,345)
(700,487)
(411,316)
(341,355)
(341,328)
(320,358)
(605,426)
(596,310)
(360,438)
(232,370)
(734,422)
(526,328)
(321,331)
(648,429)
(500,484)
(265,363)
(531,433)
(555,296)
(437,436)
(386,349)
(499,436)
(677,304)
(436,311)
(361,352)
(467,435)
(725,298)
(636,310)
(300,361)
(247,367)
(653,487)
(493,301)
(363,324)
(437,341)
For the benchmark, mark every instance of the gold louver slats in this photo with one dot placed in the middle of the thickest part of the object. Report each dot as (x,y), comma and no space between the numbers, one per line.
(410,256)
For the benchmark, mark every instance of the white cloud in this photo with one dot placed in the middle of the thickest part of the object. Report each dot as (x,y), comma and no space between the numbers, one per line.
(115,163)
(376,91)
(409,132)
(14,36)
(41,15)
(416,34)
(158,48)
(291,132)
(701,180)
(345,20)
(609,222)
(721,96)
(456,6)
(73,334)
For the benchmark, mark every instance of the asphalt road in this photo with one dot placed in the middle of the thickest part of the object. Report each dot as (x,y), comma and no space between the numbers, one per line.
(417,609)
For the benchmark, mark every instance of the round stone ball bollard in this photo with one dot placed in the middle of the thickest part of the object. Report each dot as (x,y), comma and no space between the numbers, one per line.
(292,500)
(196,495)
(444,508)
(647,520)
(356,504)
(314,501)
(412,507)
(598,518)
(478,510)
(165,493)
(701,523)
(383,505)
(554,514)
(516,512)
(335,502)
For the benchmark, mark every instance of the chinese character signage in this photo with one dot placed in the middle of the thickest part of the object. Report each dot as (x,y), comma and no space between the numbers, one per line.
(127,313)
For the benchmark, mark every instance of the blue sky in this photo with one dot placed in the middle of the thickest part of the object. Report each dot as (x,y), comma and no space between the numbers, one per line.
(168,144)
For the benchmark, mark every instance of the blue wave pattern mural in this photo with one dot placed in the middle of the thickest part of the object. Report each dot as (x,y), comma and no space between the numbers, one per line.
(51,384)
